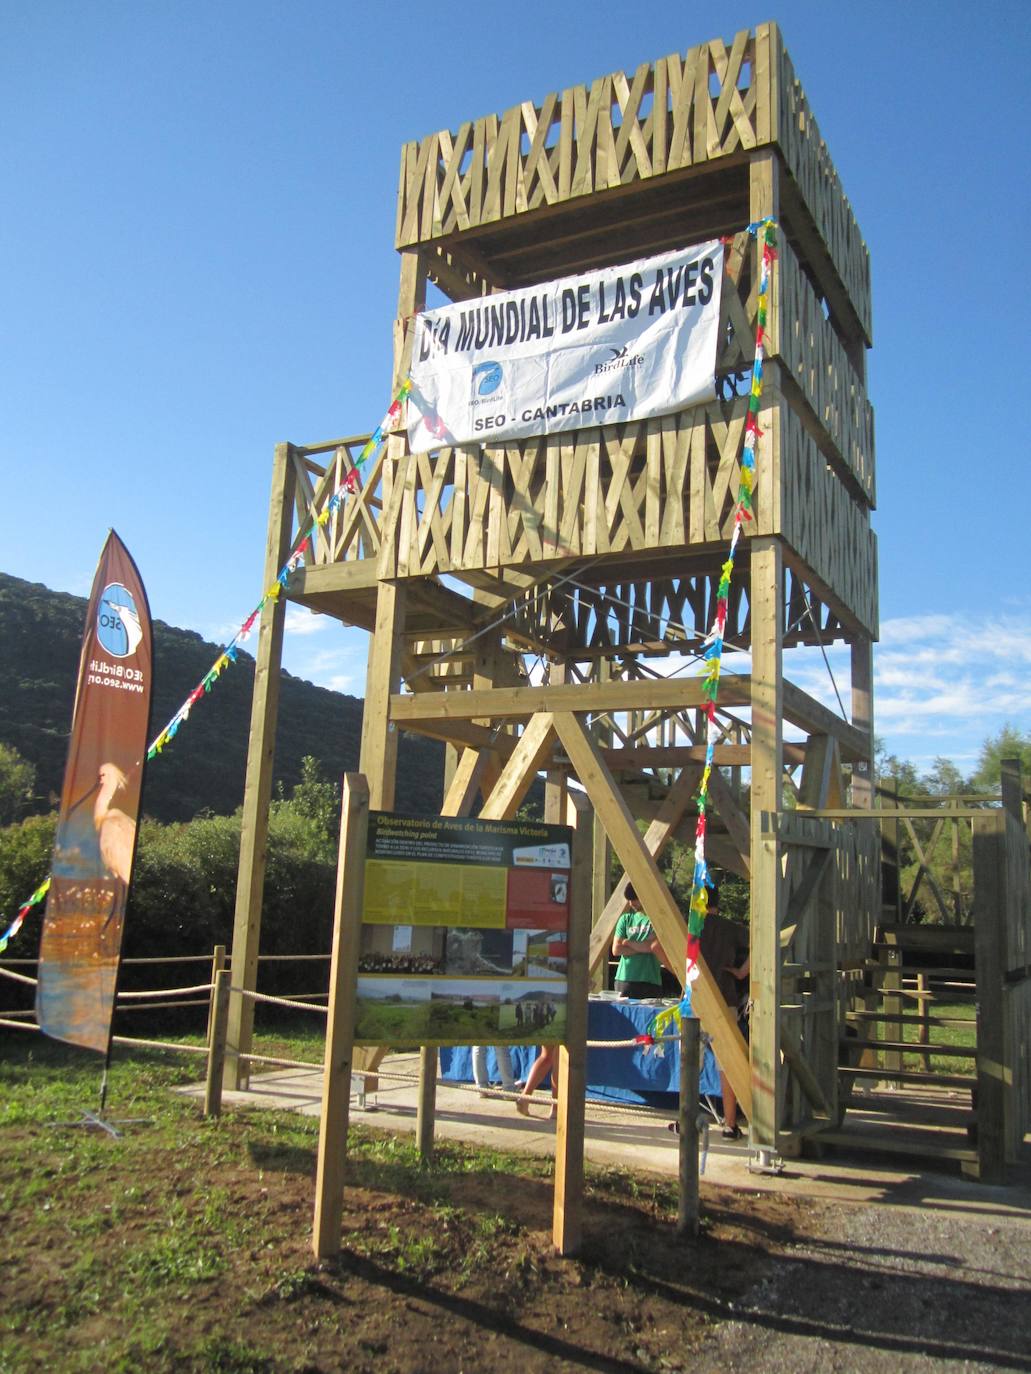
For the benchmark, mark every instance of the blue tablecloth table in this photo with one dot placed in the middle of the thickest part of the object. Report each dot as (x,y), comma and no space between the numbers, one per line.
(646,1074)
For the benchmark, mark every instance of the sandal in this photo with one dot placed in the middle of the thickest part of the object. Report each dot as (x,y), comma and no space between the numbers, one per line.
(731,1132)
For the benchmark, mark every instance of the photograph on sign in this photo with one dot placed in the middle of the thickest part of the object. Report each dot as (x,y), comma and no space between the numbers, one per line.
(464,931)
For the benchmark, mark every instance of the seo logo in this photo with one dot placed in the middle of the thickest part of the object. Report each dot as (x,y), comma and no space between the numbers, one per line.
(118,621)
(490,377)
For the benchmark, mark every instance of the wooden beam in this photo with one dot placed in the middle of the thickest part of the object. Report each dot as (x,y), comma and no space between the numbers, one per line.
(584,698)
(311,582)
(379,738)
(257,791)
(821,783)
(721,851)
(995,1107)
(814,718)
(739,832)
(808,1082)
(767,881)
(656,837)
(464,786)
(463,734)
(411,298)
(862,719)
(669,925)
(817,861)
(679,755)
(534,746)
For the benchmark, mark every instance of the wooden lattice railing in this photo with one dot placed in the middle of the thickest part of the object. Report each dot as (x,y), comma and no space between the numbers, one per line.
(676,113)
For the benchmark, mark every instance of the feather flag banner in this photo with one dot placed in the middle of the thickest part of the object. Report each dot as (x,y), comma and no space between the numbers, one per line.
(95,843)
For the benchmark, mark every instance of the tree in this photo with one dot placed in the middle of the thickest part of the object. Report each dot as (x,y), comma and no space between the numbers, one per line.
(17,781)
(945,779)
(1009,743)
(25,853)
(317,800)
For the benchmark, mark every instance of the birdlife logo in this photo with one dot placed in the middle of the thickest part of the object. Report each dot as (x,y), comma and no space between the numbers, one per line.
(118,622)
(620,361)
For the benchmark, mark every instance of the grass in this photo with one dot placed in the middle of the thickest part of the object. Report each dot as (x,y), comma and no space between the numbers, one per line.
(960,1036)
(148,1250)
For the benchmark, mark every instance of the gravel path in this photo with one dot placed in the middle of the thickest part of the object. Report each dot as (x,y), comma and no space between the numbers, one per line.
(883,1288)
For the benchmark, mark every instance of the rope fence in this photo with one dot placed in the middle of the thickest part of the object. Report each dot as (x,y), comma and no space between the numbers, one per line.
(216,1050)
(691,1124)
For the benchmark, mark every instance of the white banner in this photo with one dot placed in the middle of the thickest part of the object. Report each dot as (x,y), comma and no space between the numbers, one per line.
(623,343)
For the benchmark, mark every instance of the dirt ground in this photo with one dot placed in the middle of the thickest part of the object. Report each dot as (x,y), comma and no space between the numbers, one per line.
(186,1245)
(460,1277)
(772,1284)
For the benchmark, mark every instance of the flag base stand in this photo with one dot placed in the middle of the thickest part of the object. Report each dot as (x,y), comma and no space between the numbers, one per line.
(90,1119)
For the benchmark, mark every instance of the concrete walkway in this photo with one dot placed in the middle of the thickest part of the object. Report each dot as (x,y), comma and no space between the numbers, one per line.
(632,1137)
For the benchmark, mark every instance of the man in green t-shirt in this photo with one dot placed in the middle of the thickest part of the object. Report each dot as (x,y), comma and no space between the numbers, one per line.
(638,973)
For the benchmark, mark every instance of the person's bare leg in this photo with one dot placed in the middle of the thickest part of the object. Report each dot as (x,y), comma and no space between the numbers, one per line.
(538,1069)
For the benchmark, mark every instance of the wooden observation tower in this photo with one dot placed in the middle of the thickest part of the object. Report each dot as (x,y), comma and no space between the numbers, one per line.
(524,598)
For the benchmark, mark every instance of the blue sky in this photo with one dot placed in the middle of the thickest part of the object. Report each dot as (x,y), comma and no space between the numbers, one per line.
(197,243)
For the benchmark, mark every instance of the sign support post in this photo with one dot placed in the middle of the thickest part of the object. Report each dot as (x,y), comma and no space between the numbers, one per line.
(567,1223)
(427,1112)
(343,985)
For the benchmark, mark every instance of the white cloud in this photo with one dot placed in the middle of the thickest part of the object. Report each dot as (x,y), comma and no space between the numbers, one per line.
(914,628)
(301,621)
(943,684)
(336,661)
(342,682)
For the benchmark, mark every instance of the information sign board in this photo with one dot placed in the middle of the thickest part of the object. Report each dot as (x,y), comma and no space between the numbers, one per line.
(464,935)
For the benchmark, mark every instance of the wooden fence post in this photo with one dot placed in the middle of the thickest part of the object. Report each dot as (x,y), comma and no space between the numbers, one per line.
(218,1022)
(690,1072)
(890,980)
(994,1072)
(427,1110)
(218,963)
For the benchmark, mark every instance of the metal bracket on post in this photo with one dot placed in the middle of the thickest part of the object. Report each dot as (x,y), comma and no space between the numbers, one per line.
(764,1159)
(361,1097)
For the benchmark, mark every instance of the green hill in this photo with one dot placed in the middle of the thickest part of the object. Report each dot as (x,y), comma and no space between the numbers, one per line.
(40,640)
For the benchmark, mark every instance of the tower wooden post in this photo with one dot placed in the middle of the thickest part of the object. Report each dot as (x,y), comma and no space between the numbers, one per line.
(257,794)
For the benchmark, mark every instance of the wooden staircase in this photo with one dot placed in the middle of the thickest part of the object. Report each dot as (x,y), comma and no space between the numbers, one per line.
(907,1076)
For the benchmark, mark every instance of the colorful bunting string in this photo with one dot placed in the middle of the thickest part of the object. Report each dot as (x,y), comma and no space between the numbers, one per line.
(304,543)
(765,231)
(23,911)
